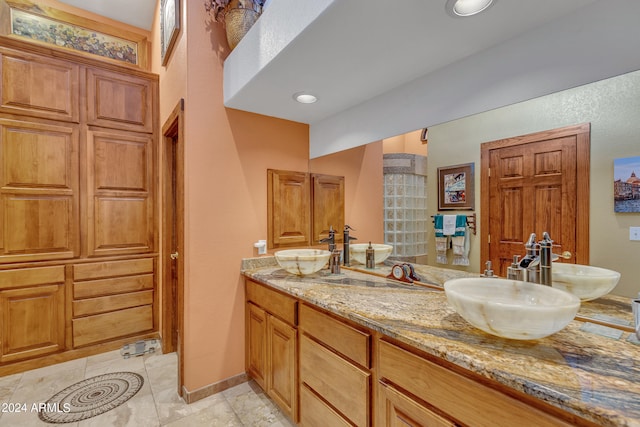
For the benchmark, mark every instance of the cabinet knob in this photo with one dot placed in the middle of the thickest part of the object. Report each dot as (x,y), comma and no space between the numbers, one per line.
(174,255)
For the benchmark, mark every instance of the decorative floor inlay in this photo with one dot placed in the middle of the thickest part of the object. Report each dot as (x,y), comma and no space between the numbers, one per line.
(91,397)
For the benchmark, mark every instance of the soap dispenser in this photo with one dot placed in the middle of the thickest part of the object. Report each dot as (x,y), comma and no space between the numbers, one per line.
(371,257)
(514,271)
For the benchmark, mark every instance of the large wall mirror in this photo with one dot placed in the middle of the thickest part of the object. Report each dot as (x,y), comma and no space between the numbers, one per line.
(611,107)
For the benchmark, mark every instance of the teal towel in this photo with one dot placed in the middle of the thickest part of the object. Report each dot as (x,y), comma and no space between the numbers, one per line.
(437,225)
(461,225)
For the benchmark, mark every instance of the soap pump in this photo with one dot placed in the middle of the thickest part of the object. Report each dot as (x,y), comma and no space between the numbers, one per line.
(371,257)
(514,271)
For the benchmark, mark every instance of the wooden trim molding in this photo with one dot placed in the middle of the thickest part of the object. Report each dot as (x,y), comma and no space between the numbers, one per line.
(211,389)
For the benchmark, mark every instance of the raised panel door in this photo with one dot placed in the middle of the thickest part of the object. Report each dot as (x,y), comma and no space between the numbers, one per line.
(282,380)
(532,184)
(288,208)
(328,206)
(39,194)
(120,191)
(37,86)
(119,101)
(256,356)
(33,321)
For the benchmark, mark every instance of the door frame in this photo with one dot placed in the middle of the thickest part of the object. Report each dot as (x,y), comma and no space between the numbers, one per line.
(582,133)
(173,130)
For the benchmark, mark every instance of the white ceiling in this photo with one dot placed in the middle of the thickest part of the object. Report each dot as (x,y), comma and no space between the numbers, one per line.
(138,13)
(357,49)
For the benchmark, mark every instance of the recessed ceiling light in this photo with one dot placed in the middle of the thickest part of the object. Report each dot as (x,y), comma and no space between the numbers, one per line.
(467,7)
(304,98)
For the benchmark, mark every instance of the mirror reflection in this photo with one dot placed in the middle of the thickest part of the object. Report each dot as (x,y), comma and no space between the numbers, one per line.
(609,107)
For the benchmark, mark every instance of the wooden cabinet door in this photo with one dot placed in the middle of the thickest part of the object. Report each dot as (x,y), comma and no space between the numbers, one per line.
(282,382)
(397,410)
(288,208)
(256,351)
(32,319)
(120,193)
(39,200)
(328,206)
(37,86)
(120,101)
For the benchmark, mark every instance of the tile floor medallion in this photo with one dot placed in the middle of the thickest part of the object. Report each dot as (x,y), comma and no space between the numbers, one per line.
(91,397)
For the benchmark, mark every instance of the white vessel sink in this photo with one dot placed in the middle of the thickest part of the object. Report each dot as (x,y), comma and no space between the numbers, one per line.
(584,281)
(511,308)
(358,252)
(302,261)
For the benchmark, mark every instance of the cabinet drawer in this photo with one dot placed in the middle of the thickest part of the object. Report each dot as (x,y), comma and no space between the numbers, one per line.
(345,386)
(454,394)
(346,340)
(111,303)
(98,270)
(315,413)
(24,277)
(397,409)
(103,327)
(280,305)
(117,285)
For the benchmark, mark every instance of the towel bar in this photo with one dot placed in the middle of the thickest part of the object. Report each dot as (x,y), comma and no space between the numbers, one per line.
(471,222)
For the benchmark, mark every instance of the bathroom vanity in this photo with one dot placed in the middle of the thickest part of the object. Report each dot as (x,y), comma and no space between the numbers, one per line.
(359,349)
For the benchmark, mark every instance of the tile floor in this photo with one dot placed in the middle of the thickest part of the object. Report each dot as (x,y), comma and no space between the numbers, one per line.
(156,404)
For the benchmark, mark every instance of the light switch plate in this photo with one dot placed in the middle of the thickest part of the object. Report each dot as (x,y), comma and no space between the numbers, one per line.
(634,233)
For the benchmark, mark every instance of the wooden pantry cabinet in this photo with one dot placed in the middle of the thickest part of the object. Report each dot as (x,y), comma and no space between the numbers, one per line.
(78,203)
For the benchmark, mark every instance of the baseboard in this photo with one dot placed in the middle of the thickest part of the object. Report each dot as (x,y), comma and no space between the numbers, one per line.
(211,389)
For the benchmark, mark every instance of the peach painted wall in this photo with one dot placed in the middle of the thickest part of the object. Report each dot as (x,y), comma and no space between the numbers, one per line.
(227,153)
(362,169)
(409,143)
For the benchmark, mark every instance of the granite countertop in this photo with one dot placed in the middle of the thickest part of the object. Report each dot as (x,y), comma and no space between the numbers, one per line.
(584,373)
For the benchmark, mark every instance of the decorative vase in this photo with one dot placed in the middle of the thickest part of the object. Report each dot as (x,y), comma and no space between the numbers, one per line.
(237,22)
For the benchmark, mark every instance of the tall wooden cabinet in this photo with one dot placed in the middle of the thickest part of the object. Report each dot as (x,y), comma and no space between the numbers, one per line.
(78,207)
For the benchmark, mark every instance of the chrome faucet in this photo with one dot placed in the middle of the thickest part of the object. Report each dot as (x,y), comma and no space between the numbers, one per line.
(546,257)
(537,261)
(345,243)
(530,262)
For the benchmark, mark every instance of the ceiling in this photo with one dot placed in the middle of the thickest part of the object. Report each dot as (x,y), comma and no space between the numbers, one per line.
(138,13)
(357,49)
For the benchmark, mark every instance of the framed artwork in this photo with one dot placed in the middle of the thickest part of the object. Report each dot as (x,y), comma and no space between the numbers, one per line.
(169,27)
(45,25)
(455,187)
(626,184)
